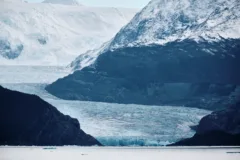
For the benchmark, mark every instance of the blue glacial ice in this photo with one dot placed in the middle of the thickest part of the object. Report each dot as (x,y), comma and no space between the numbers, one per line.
(124,125)
(112,124)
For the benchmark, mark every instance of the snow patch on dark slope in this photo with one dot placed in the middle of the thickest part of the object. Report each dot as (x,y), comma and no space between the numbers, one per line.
(172,53)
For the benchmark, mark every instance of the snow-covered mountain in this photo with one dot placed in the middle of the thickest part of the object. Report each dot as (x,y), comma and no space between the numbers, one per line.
(64,2)
(174,52)
(165,21)
(53,34)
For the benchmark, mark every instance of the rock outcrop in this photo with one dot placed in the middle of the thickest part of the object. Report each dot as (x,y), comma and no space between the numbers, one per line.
(221,128)
(28,120)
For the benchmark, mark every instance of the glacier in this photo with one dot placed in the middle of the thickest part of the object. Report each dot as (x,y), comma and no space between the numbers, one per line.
(54,34)
(112,124)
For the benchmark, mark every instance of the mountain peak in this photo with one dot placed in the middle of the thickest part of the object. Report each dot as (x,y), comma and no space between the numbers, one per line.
(163,21)
(64,2)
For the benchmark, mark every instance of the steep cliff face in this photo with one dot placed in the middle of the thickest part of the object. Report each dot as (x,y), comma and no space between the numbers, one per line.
(27,120)
(219,128)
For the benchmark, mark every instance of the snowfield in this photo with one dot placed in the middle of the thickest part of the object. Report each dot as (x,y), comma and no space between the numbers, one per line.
(54,34)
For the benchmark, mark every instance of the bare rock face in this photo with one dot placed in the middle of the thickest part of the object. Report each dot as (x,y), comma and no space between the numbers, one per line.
(28,120)
(221,128)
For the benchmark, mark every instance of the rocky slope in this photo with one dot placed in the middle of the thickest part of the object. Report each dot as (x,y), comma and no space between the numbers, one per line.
(179,73)
(27,120)
(144,64)
(219,128)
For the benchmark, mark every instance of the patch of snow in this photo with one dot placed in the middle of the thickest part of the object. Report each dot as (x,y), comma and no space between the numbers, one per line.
(87,58)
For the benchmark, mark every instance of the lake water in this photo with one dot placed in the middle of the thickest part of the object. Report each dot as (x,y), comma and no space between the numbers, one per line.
(108,153)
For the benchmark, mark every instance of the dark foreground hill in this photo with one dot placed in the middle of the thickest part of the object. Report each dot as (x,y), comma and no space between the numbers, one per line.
(28,120)
(221,128)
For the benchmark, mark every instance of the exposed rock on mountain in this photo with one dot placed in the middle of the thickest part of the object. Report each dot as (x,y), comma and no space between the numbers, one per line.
(27,120)
(219,128)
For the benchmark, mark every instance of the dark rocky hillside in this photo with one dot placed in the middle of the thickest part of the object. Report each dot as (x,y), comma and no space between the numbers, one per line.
(195,74)
(221,128)
(28,120)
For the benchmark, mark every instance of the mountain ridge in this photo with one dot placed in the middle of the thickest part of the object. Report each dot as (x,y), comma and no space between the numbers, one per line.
(162,22)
